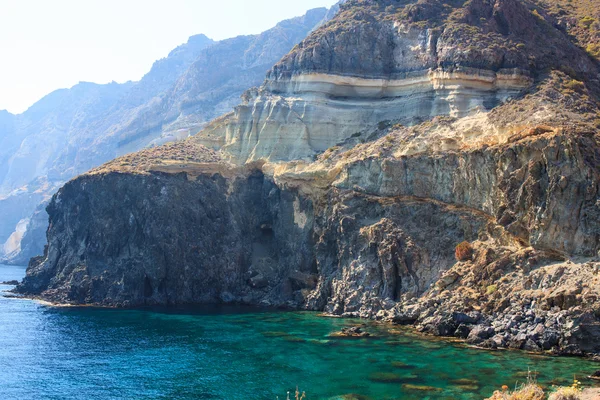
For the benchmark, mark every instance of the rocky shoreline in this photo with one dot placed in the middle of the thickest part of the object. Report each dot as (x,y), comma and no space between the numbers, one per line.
(552,319)
(528,332)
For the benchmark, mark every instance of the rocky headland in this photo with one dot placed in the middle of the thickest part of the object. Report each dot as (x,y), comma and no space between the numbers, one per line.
(432,163)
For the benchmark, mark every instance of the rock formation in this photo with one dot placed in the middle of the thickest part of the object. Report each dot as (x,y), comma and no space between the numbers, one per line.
(345,182)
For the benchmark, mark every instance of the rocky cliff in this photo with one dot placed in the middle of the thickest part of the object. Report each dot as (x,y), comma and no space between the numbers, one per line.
(393,61)
(71,131)
(429,163)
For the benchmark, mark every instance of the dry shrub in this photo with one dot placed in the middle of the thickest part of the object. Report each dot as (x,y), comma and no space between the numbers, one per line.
(530,391)
(572,392)
(464,251)
(565,393)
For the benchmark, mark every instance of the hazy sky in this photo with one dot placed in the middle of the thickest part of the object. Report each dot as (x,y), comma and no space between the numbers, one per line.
(47,45)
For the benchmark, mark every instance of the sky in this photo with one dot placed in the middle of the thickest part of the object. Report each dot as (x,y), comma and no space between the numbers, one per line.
(47,45)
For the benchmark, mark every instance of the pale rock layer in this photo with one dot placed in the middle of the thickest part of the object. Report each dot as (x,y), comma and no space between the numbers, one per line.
(307,114)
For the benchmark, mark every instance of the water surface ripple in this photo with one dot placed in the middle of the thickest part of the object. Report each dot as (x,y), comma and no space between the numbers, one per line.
(85,353)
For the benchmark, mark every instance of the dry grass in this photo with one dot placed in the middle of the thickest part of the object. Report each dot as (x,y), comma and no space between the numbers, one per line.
(566,393)
(297,395)
(530,391)
(182,152)
(572,392)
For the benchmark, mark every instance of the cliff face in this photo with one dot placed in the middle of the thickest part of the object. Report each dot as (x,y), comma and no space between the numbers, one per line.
(248,262)
(346,182)
(393,61)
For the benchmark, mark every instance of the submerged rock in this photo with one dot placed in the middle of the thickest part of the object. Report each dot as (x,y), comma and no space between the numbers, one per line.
(420,388)
(390,377)
(351,396)
(354,331)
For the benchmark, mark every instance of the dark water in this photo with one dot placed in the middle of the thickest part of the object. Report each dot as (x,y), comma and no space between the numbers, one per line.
(83,353)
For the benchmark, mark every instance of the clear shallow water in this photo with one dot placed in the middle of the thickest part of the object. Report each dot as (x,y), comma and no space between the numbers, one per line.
(84,353)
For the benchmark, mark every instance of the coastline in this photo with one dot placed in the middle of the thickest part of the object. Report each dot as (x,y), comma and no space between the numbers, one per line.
(384,332)
(390,326)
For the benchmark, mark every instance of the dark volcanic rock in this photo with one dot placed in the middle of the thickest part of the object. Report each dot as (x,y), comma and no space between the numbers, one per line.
(369,38)
(354,331)
(138,247)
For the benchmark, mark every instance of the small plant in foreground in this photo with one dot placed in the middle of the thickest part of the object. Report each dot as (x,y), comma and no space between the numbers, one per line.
(572,392)
(530,390)
(297,395)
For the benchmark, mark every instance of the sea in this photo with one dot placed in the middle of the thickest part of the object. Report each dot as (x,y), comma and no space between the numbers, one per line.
(84,353)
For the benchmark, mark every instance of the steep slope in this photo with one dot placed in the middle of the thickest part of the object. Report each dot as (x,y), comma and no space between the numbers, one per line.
(580,19)
(346,183)
(213,83)
(393,61)
(72,131)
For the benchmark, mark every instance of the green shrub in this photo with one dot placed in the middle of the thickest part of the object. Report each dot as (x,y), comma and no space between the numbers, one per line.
(491,289)
(587,21)
(575,85)
(593,49)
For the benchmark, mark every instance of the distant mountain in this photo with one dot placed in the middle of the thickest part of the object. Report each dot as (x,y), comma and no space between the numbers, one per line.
(73,130)
(32,142)
(210,86)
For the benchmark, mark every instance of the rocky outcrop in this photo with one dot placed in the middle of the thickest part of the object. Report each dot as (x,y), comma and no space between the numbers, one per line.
(267,250)
(389,61)
(248,263)
(430,151)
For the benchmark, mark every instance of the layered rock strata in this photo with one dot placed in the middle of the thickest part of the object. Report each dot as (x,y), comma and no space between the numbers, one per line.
(306,115)
(392,61)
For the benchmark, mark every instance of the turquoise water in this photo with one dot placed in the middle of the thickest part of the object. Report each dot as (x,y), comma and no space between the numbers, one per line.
(84,353)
